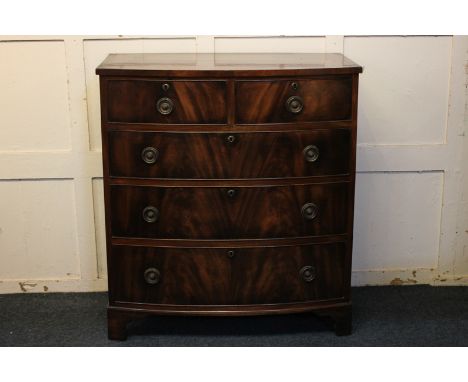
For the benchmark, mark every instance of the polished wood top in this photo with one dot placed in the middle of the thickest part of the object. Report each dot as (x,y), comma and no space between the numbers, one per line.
(226,64)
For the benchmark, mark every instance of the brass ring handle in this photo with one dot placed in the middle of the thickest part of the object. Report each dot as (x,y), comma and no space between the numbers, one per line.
(308,273)
(309,211)
(150,214)
(294,104)
(311,153)
(152,276)
(165,106)
(149,155)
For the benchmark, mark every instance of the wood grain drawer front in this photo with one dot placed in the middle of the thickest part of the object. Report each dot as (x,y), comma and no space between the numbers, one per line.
(293,100)
(222,276)
(229,155)
(229,212)
(168,102)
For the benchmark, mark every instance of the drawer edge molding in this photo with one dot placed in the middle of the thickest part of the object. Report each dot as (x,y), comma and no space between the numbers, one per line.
(234,243)
(223,127)
(231,310)
(247,182)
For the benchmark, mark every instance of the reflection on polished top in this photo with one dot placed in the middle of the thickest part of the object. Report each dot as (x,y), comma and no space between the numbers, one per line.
(227,64)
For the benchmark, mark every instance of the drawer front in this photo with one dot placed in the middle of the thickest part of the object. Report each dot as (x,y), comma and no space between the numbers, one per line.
(288,101)
(223,276)
(229,155)
(169,102)
(229,213)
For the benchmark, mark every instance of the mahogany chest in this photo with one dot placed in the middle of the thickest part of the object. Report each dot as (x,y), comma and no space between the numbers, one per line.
(228,184)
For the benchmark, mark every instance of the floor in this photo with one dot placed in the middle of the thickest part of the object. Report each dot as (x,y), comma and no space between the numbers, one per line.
(382,316)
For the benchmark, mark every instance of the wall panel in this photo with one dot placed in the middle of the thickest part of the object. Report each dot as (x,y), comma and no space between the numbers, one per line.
(397,220)
(404,88)
(38,230)
(33,96)
(304,44)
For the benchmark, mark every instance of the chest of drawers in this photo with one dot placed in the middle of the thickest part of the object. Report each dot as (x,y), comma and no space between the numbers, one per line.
(228,184)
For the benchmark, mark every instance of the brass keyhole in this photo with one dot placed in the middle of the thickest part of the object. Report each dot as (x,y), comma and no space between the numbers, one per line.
(230,138)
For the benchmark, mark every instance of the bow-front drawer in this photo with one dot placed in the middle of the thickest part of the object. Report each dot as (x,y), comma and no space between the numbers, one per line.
(298,100)
(229,155)
(247,212)
(168,102)
(227,276)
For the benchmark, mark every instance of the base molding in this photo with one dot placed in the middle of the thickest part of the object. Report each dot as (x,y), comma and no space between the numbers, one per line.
(338,314)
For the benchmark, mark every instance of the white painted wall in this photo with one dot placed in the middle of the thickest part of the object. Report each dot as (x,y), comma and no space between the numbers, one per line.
(411,221)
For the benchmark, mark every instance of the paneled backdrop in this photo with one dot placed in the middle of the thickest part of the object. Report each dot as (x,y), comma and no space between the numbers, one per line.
(411,220)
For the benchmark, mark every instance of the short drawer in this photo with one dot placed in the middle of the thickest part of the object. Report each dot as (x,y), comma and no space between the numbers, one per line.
(229,155)
(168,102)
(286,101)
(229,212)
(226,276)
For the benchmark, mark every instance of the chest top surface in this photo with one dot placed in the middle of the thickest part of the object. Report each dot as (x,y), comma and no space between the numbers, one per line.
(226,64)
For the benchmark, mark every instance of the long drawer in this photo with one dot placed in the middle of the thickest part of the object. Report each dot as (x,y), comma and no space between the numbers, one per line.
(223,276)
(246,212)
(229,155)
